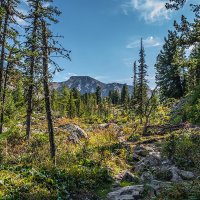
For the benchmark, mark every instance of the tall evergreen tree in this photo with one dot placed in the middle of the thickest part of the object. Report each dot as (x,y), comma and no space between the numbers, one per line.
(194,69)
(141,82)
(124,95)
(71,111)
(134,79)
(98,95)
(45,50)
(168,75)
(8,38)
(32,45)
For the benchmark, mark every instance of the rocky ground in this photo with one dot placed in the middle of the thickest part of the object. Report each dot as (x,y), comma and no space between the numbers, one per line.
(154,173)
(151,172)
(136,164)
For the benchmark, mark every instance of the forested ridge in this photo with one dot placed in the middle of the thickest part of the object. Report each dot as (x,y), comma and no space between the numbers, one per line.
(62,144)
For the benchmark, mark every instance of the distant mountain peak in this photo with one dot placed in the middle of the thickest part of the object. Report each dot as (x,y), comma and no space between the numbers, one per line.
(87,84)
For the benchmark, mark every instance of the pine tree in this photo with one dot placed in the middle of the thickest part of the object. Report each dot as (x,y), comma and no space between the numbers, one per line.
(168,75)
(42,45)
(114,96)
(45,51)
(12,60)
(98,95)
(71,111)
(32,45)
(8,39)
(134,79)
(55,100)
(194,69)
(125,95)
(63,100)
(141,82)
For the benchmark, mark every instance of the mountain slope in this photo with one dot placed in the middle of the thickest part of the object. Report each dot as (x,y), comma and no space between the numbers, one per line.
(87,84)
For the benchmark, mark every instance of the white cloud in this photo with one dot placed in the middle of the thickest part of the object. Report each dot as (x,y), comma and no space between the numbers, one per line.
(68,75)
(150,10)
(101,78)
(148,42)
(128,62)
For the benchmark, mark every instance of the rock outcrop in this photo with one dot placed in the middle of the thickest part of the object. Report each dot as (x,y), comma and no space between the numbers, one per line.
(156,174)
(76,133)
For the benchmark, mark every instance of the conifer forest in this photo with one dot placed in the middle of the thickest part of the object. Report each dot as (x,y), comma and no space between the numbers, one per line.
(82,139)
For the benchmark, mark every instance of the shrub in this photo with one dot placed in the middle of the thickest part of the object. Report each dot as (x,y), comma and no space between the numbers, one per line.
(181,191)
(184,150)
(134,137)
(14,135)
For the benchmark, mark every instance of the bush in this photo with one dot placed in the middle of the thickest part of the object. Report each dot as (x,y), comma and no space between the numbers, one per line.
(181,191)
(134,137)
(189,108)
(14,135)
(184,150)
(39,140)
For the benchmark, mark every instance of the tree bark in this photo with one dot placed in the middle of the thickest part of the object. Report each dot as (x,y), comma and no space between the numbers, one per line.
(47,93)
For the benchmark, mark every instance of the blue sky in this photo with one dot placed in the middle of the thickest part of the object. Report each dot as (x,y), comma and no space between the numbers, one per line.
(104,36)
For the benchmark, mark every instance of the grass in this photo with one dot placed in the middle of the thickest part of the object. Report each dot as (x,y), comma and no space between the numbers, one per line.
(27,172)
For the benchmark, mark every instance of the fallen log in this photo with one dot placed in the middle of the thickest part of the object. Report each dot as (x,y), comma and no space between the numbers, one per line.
(163,129)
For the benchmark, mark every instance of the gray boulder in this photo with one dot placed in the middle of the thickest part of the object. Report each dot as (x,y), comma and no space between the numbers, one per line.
(147,177)
(76,133)
(141,151)
(128,176)
(173,173)
(127,193)
(156,186)
(149,161)
(186,175)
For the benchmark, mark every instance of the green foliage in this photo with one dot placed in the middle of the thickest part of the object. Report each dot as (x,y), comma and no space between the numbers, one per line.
(189,109)
(192,107)
(124,95)
(184,150)
(71,111)
(98,95)
(142,87)
(39,140)
(59,182)
(181,191)
(168,75)
(134,137)
(14,135)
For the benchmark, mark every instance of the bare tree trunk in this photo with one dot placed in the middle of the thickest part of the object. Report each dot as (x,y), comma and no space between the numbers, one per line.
(47,93)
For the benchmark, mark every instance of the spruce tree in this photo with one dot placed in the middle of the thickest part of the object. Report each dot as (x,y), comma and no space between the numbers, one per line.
(32,45)
(12,62)
(9,33)
(134,79)
(98,94)
(168,75)
(124,95)
(71,111)
(141,82)
(194,69)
